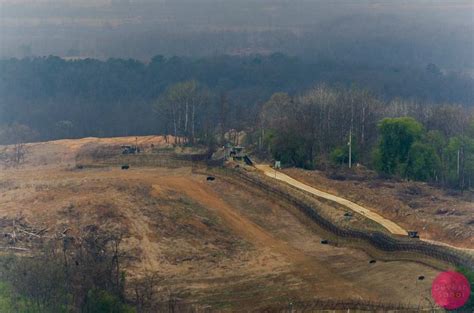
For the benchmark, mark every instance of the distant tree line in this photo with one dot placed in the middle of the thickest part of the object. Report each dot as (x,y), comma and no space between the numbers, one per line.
(58,98)
(272,98)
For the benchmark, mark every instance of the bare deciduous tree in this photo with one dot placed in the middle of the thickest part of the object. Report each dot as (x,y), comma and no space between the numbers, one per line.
(15,136)
(179,106)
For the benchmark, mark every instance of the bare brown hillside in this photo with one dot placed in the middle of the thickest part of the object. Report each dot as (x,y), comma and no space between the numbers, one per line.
(215,242)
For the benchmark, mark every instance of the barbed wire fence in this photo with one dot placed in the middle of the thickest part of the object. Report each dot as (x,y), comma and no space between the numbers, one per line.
(379,240)
(376,239)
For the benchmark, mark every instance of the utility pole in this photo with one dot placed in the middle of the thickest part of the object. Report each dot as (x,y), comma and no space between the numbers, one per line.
(459,161)
(350,148)
(350,132)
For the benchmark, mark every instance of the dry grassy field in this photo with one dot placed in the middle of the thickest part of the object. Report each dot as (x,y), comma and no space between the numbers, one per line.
(213,242)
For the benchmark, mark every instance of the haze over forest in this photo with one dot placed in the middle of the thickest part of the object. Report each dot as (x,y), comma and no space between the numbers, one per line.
(272,69)
(103,65)
(365,32)
(235,155)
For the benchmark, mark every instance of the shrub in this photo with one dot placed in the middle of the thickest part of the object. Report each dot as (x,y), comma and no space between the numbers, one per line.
(340,155)
(423,163)
(397,137)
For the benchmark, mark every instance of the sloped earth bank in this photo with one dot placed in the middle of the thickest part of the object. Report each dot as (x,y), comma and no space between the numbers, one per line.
(441,215)
(212,242)
(64,151)
(217,243)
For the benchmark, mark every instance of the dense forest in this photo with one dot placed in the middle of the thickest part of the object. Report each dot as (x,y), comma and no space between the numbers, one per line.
(296,111)
(375,92)
(58,98)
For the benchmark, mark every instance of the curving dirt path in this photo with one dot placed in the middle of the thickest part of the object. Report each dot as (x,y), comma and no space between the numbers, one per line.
(391,226)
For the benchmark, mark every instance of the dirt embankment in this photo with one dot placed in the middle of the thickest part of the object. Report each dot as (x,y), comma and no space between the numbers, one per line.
(209,241)
(214,242)
(440,215)
(64,151)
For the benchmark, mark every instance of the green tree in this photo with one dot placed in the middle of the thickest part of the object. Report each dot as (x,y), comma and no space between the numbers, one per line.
(423,162)
(340,155)
(101,301)
(397,137)
(287,147)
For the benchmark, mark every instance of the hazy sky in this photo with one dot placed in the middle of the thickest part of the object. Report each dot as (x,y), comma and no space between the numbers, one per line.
(441,31)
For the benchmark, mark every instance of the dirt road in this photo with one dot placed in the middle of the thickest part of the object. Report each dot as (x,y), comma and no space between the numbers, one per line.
(389,225)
